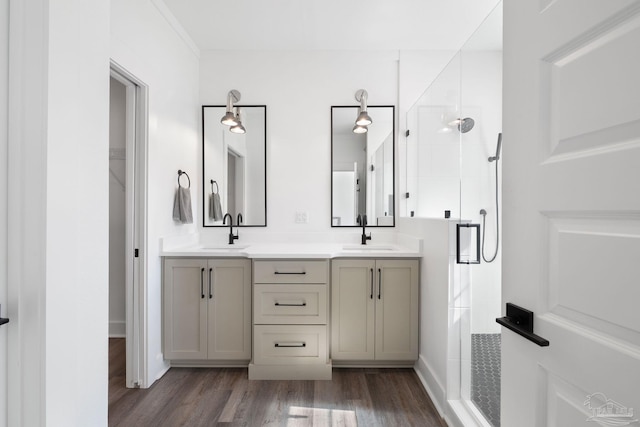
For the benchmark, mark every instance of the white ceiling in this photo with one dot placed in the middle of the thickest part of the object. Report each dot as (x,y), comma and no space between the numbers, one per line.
(329,24)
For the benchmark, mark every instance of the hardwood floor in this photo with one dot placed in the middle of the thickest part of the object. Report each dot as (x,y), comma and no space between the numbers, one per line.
(225,397)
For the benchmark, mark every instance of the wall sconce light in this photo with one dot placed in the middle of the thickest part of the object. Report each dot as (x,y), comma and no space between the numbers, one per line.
(363,120)
(230,118)
(238,128)
(360,129)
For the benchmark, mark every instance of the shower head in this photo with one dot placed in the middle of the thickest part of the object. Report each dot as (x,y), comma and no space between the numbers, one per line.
(466,124)
(498,147)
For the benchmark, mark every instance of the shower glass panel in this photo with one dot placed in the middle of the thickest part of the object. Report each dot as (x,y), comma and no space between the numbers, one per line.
(452,172)
(480,203)
(433,148)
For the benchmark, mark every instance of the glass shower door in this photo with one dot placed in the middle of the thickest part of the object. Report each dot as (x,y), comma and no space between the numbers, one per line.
(480,171)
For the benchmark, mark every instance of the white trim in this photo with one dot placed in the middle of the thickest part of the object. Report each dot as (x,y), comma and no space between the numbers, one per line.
(434,388)
(117,329)
(176,26)
(456,413)
(26,198)
(136,283)
(4,123)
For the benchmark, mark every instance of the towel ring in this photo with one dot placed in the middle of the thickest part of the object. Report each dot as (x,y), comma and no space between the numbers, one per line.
(180,173)
(217,188)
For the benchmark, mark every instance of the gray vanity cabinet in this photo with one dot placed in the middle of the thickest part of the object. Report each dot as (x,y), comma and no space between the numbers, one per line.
(374,310)
(207,309)
(290,313)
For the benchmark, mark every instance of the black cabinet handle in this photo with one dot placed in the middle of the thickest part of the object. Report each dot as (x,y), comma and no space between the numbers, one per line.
(379,283)
(296,345)
(277,304)
(371,292)
(210,284)
(278,272)
(202,283)
(520,321)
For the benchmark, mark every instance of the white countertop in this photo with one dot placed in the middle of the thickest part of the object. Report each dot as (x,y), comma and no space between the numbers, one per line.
(296,251)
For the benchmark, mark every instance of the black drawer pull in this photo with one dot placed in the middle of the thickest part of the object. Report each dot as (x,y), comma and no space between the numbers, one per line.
(296,345)
(284,272)
(304,304)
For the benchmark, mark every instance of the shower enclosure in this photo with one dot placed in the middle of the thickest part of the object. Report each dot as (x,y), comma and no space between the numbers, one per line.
(453,169)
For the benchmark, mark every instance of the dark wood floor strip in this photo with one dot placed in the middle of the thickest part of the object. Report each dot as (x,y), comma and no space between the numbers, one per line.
(225,397)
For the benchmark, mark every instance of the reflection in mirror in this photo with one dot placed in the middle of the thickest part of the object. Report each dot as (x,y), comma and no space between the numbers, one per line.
(234,166)
(362,167)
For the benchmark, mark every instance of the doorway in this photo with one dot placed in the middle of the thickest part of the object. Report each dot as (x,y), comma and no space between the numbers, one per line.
(127,219)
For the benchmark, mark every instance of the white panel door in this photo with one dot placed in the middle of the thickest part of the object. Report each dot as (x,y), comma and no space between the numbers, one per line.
(572,211)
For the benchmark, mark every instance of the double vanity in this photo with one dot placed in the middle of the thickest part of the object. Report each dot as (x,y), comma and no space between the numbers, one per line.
(291,311)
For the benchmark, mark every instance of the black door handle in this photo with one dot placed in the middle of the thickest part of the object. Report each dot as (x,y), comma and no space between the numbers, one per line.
(3,320)
(520,321)
(459,259)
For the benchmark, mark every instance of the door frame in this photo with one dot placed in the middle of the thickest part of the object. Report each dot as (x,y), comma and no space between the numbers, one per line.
(4,143)
(137,108)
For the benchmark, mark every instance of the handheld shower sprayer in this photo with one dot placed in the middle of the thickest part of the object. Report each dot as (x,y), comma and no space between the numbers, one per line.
(498,147)
(483,212)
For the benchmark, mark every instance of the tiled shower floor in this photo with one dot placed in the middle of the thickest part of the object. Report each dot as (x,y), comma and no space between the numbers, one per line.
(485,375)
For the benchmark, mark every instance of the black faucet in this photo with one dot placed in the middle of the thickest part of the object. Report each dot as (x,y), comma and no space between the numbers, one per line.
(232,237)
(362,220)
(240,220)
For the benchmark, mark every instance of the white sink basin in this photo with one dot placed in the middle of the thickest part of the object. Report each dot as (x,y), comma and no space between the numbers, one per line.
(224,248)
(386,248)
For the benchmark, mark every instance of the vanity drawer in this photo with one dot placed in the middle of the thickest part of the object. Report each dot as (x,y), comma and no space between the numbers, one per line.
(290,271)
(290,304)
(289,344)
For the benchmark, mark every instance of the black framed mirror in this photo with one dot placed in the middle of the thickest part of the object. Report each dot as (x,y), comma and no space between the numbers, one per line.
(234,167)
(363,167)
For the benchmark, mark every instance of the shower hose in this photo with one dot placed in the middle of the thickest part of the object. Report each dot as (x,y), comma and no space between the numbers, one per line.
(484,229)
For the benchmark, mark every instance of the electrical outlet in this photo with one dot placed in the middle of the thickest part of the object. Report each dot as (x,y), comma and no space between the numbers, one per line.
(302,218)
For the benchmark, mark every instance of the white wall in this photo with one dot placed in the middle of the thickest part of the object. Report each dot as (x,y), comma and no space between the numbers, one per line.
(76,242)
(434,302)
(146,45)
(117,205)
(299,88)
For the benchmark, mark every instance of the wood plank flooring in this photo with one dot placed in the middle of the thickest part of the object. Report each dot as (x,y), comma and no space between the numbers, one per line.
(225,397)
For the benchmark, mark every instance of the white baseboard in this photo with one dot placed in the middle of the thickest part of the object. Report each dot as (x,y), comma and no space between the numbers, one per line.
(117,329)
(454,413)
(431,384)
